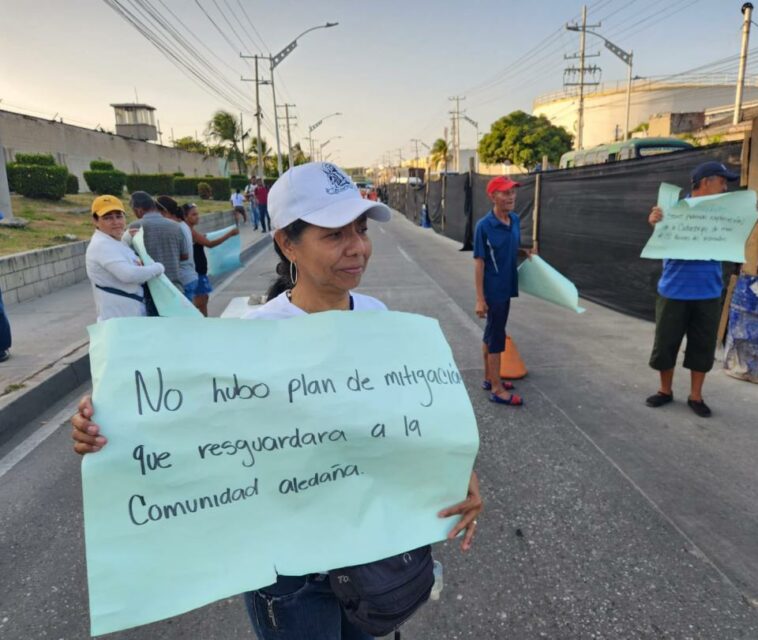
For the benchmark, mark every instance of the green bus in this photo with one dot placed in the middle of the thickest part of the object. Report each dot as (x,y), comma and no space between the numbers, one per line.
(626,150)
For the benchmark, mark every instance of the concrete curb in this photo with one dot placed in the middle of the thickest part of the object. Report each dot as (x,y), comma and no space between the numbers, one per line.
(69,371)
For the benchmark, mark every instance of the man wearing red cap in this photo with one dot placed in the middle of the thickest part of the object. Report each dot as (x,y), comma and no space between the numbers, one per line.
(496,246)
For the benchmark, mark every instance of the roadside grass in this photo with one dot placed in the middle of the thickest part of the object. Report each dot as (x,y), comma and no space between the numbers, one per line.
(50,222)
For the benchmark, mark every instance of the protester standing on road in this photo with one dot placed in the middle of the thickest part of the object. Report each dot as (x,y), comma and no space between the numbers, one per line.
(115,271)
(322,242)
(238,204)
(199,242)
(261,199)
(187,274)
(250,197)
(164,240)
(5,332)
(689,303)
(497,240)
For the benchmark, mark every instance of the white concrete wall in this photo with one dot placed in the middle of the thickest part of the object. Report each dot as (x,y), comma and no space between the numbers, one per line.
(32,274)
(76,147)
(606,110)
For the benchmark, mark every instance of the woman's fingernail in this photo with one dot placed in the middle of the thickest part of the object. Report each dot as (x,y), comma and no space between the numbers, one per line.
(100,440)
(91,430)
(95,448)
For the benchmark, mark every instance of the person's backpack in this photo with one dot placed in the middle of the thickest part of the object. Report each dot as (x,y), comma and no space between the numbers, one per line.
(378,597)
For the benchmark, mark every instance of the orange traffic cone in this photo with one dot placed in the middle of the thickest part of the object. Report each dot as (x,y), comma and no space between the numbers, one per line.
(512,367)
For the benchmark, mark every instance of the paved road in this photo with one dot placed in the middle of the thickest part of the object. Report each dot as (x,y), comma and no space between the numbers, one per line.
(604,519)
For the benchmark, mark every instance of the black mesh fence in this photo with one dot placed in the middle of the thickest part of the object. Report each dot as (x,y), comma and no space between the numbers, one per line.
(414,198)
(455,207)
(434,204)
(593,224)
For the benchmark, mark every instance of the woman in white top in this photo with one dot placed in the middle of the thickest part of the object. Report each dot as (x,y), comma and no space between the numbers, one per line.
(320,222)
(116,273)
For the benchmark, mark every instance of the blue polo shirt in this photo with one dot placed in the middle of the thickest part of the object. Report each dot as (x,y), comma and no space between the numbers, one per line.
(497,244)
(691,279)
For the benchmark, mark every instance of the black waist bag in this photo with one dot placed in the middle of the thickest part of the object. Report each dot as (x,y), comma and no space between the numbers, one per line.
(378,597)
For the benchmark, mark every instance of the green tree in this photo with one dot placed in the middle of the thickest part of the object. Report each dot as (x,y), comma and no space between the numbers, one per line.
(188,143)
(252,154)
(226,130)
(440,153)
(523,139)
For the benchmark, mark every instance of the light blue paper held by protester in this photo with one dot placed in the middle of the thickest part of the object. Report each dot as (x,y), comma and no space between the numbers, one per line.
(705,228)
(169,301)
(537,278)
(226,256)
(239,449)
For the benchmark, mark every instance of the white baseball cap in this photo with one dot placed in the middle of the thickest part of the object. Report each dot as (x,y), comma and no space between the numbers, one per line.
(320,193)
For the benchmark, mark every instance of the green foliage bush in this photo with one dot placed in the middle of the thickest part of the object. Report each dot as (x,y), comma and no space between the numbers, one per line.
(154,183)
(101,165)
(186,186)
(38,181)
(204,190)
(178,174)
(238,181)
(45,159)
(221,188)
(106,182)
(72,183)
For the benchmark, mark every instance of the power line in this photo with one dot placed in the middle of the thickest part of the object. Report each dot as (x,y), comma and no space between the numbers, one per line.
(171,54)
(231,27)
(252,26)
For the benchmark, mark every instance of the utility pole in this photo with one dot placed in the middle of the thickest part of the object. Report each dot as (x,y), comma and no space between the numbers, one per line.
(242,143)
(582,70)
(276,120)
(259,150)
(457,129)
(747,12)
(289,134)
(5,195)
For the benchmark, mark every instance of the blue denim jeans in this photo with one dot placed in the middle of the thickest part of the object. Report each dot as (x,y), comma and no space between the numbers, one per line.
(265,220)
(5,328)
(255,216)
(300,608)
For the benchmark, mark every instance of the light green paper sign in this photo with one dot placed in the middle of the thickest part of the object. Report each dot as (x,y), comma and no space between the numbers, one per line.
(537,278)
(169,301)
(226,256)
(705,228)
(239,449)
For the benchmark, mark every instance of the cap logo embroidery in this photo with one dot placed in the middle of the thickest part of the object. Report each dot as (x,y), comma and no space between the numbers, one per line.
(338,181)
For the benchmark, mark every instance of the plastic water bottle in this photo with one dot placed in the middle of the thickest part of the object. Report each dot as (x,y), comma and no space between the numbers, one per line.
(438,584)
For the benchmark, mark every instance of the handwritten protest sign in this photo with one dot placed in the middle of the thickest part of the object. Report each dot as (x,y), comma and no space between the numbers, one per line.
(705,228)
(226,256)
(239,449)
(537,278)
(169,301)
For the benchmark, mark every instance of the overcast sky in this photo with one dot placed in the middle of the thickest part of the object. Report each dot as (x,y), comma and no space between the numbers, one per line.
(390,66)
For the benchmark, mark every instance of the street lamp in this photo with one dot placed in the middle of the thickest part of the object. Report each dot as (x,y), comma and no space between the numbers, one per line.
(275,60)
(476,129)
(626,58)
(316,124)
(321,150)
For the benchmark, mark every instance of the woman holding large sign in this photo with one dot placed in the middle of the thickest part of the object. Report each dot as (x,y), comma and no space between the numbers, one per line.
(320,223)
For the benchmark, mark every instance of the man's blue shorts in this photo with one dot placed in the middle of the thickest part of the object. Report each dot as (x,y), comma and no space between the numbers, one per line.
(494,330)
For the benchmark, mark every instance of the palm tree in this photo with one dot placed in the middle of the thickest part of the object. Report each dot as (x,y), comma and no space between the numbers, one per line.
(440,153)
(226,130)
(252,154)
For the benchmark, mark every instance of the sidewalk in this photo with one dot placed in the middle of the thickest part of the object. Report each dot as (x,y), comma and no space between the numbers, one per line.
(49,352)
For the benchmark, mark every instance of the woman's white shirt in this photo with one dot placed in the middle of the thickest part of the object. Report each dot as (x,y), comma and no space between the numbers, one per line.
(280,308)
(110,263)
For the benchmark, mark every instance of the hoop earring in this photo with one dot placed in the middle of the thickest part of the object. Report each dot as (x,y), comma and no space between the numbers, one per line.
(293,273)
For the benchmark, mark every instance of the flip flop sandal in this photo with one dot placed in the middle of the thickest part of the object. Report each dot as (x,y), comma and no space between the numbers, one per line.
(515,400)
(487,385)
